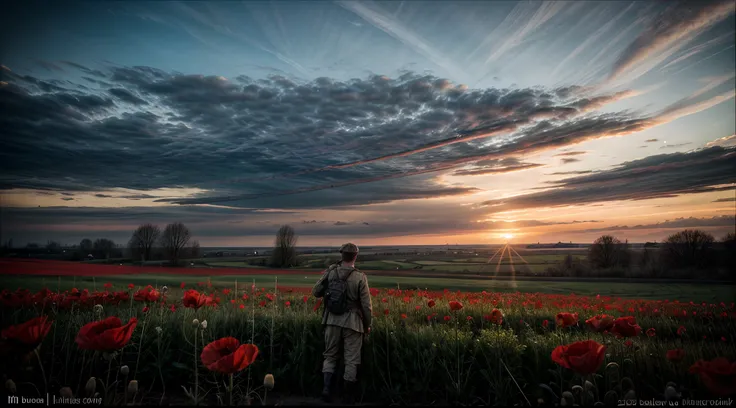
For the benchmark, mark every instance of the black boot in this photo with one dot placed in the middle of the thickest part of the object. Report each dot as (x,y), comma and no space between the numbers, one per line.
(326,387)
(350,393)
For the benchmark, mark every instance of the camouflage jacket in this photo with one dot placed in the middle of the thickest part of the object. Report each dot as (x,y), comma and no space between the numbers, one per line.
(359,316)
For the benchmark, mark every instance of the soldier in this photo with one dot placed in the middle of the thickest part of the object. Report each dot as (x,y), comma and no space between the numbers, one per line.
(347,318)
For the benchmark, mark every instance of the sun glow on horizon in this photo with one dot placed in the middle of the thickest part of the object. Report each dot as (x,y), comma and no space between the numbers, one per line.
(508,236)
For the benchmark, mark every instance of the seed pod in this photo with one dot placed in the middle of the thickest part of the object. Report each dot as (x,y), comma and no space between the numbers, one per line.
(10,386)
(627,384)
(567,399)
(589,386)
(204,324)
(268,381)
(195,323)
(611,399)
(66,392)
(91,386)
(671,394)
(630,395)
(124,370)
(577,390)
(133,387)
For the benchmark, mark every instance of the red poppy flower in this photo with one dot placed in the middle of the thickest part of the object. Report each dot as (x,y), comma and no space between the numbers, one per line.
(319,303)
(226,292)
(386,312)
(182,285)
(651,332)
(262,303)
(148,294)
(106,335)
(455,305)
(270,297)
(545,323)
(600,323)
(375,292)
(447,318)
(131,286)
(195,300)
(469,318)
(675,355)
(108,285)
(228,356)
(495,317)
(626,327)
(403,315)
(583,357)
(681,330)
(305,299)
(30,333)
(417,307)
(145,309)
(629,343)
(242,306)
(718,375)
(173,308)
(431,303)
(287,304)
(563,319)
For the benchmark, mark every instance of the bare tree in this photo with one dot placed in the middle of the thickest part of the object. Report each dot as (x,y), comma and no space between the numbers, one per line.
(103,247)
(86,245)
(143,240)
(688,248)
(608,251)
(175,237)
(284,252)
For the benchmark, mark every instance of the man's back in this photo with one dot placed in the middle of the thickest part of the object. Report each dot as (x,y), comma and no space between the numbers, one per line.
(359,314)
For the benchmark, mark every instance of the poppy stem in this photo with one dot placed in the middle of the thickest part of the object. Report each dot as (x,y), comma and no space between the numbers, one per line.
(231,389)
(43,372)
(196,369)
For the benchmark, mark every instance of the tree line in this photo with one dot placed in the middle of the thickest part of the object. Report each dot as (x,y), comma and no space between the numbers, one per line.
(684,254)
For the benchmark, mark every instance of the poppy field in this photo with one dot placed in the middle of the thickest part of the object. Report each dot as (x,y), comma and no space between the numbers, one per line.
(211,344)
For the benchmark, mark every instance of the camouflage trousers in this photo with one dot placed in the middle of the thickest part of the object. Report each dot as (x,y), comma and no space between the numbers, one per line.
(351,342)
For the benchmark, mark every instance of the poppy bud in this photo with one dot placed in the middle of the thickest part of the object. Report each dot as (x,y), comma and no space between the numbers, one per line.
(98,309)
(577,389)
(630,395)
(204,324)
(10,386)
(66,392)
(164,289)
(124,370)
(195,323)
(567,399)
(159,330)
(91,386)
(133,387)
(268,381)
(589,386)
(671,394)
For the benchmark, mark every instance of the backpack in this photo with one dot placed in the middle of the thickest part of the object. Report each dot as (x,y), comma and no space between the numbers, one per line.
(336,296)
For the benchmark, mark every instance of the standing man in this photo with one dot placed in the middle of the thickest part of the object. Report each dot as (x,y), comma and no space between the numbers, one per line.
(347,318)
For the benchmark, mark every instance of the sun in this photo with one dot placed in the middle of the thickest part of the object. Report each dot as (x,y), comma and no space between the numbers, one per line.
(508,236)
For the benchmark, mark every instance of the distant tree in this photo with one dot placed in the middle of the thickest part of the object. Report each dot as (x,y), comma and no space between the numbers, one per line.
(688,248)
(103,247)
(53,246)
(607,251)
(194,250)
(143,239)
(174,239)
(284,252)
(86,245)
(729,259)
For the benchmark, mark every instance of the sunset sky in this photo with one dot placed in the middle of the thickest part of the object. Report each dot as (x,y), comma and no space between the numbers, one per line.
(382,123)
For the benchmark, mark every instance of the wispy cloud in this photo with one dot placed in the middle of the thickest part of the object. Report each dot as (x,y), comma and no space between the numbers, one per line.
(666,35)
(726,141)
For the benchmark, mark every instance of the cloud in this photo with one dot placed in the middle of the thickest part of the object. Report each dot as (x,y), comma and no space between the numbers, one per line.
(725,200)
(669,32)
(651,140)
(726,141)
(568,160)
(395,133)
(691,222)
(674,146)
(574,153)
(664,175)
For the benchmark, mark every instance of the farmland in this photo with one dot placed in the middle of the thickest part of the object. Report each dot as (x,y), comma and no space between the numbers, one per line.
(496,348)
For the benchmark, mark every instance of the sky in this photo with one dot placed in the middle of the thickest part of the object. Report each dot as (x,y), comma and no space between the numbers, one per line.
(380,123)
